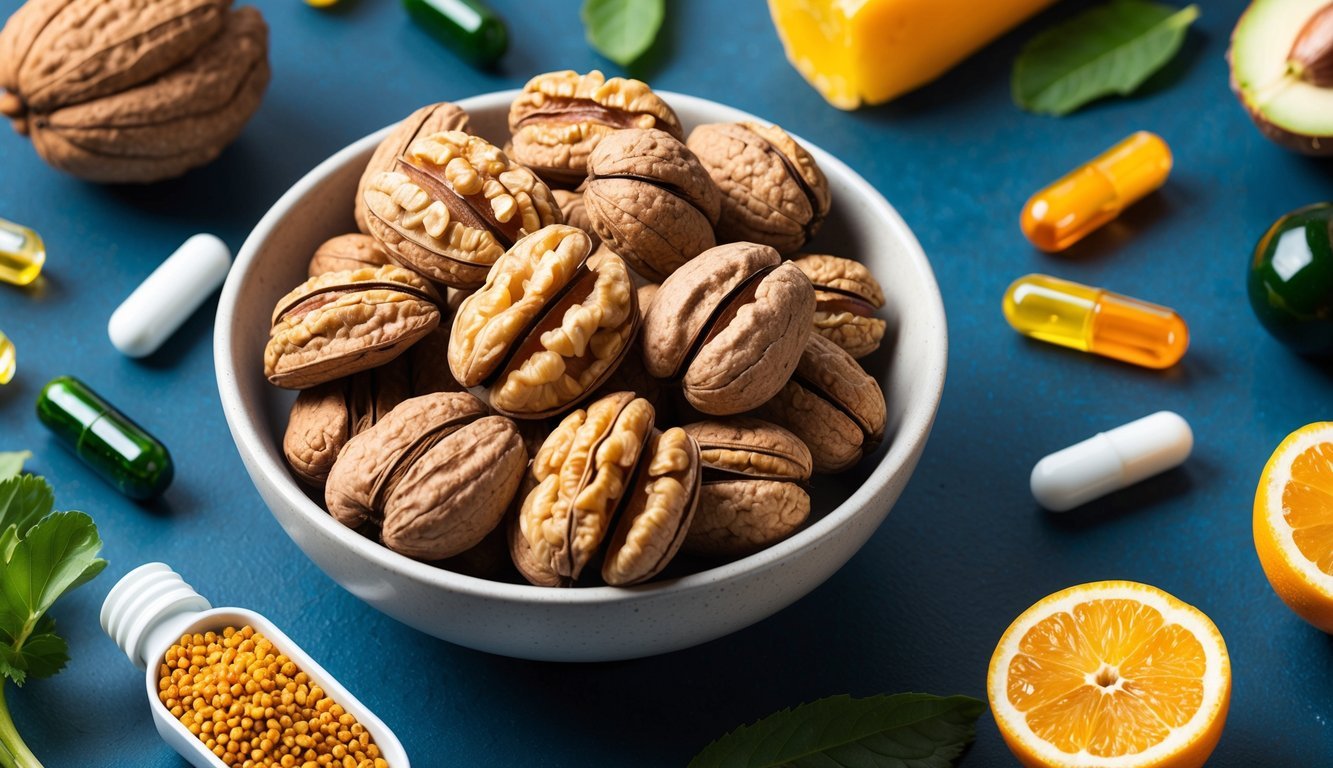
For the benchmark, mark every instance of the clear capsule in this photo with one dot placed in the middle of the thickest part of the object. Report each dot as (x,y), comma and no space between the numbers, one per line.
(22,253)
(1094,194)
(1096,320)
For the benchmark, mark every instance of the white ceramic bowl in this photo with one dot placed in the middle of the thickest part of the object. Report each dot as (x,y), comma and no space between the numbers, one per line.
(594,623)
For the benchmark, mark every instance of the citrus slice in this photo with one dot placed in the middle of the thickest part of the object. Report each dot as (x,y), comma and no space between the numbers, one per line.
(1112,674)
(1293,522)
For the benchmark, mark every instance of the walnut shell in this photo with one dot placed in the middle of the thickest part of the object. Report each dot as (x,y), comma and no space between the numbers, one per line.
(434,476)
(560,117)
(751,495)
(432,118)
(341,323)
(547,328)
(453,204)
(575,211)
(846,297)
(131,90)
(730,325)
(652,202)
(832,404)
(344,252)
(772,190)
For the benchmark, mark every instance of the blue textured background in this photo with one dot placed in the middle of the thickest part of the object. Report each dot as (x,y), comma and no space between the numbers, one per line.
(964,552)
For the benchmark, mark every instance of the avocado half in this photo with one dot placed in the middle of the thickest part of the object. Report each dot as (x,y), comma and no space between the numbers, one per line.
(1282,69)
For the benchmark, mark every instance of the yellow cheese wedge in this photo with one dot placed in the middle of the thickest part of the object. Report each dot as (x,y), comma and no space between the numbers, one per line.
(858,52)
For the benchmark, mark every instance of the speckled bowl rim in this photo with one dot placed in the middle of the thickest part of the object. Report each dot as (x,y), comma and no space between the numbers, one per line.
(914,427)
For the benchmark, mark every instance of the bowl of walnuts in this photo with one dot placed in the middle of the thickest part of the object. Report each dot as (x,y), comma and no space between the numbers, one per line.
(581,371)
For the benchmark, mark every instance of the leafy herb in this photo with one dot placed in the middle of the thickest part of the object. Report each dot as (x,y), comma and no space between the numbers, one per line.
(622,30)
(11,463)
(1108,49)
(905,730)
(43,555)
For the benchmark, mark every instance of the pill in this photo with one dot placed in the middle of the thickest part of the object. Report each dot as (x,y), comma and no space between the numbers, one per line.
(467,27)
(1094,194)
(9,361)
(1109,461)
(22,253)
(164,301)
(1096,320)
(106,440)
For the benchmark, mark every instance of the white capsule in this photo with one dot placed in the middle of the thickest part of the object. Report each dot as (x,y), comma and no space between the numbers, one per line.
(164,301)
(1109,461)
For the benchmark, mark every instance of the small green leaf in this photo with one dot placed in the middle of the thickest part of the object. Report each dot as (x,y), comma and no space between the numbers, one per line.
(622,30)
(23,501)
(58,554)
(11,463)
(905,730)
(1107,49)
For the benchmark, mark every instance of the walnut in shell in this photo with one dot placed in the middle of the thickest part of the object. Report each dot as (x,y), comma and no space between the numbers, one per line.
(453,204)
(432,118)
(730,325)
(433,477)
(832,404)
(128,90)
(772,190)
(341,323)
(548,326)
(846,298)
(599,466)
(560,117)
(751,495)
(344,252)
(652,202)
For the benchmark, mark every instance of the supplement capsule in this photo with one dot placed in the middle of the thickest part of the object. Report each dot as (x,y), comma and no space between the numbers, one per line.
(105,439)
(1109,461)
(1071,208)
(468,27)
(1096,320)
(9,360)
(22,253)
(167,298)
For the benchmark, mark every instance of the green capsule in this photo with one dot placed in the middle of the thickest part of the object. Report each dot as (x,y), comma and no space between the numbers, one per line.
(472,30)
(105,439)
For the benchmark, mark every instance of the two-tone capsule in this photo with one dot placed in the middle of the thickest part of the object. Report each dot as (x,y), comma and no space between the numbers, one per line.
(116,448)
(1096,320)
(22,253)
(1094,194)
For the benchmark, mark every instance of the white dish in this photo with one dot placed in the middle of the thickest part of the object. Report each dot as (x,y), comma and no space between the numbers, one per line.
(594,623)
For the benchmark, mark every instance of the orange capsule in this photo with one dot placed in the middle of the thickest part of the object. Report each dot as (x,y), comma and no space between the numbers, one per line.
(1094,194)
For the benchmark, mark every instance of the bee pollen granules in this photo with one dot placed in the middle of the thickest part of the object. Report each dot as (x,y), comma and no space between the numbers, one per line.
(252,706)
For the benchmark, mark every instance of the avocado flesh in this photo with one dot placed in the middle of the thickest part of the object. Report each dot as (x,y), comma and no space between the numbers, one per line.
(1266,81)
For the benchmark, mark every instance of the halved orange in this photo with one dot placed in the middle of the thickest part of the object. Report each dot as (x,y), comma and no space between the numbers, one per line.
(1112,674)
(1293,522)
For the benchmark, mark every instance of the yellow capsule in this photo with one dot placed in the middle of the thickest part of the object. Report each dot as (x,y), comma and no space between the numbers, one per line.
(321,3)
(22,253)
(1096,320)
(1094,194)
(8,359)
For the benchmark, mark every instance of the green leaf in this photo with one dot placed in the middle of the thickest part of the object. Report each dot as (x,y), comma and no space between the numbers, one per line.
(622,30)
(905,730)
(23,501)
(11,463)
(58,554)
(1107,49)
(42,655)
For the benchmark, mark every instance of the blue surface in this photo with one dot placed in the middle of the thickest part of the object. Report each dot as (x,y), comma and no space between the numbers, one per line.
(962,554)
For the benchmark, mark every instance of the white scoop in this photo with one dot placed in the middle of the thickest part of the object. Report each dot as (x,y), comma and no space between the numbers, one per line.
(151,607)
